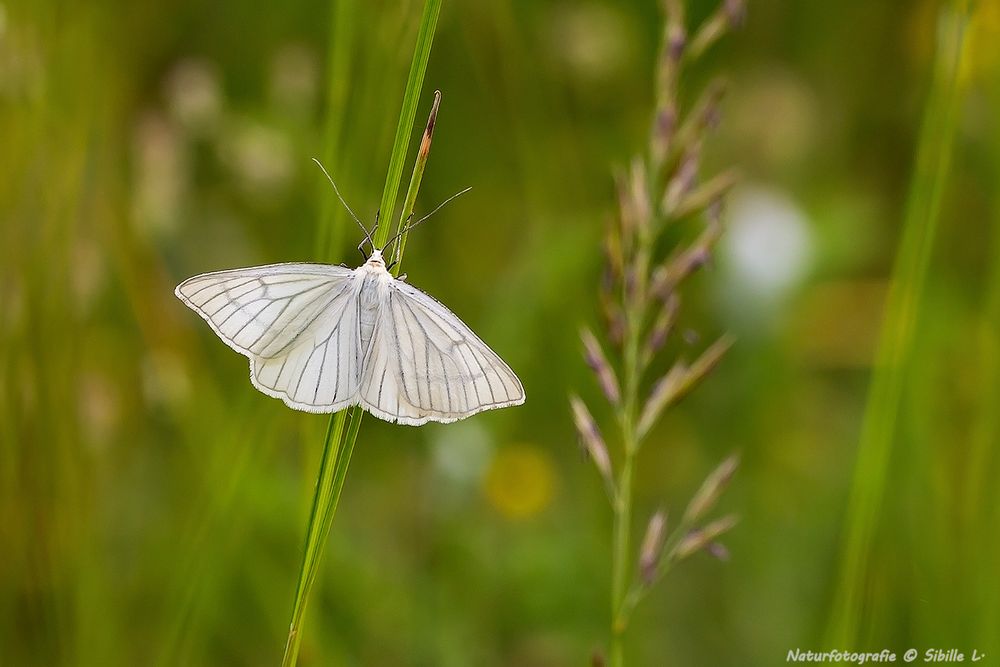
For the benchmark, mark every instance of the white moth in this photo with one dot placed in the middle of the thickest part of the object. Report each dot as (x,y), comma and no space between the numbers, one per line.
(322,338)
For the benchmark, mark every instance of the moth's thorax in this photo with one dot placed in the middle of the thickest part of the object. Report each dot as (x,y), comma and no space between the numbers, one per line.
(375,263)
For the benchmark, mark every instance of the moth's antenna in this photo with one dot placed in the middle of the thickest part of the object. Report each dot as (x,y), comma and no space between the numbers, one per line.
(368,235)
(437,208)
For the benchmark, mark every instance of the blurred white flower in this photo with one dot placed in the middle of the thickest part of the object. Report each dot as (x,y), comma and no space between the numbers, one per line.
(592,39)
(462,452)
(194,95)
(260,156)
(89,273)
(165,379)
(294,79)
(22,64)
(767,247)
(12,303)
(99,408)
(774,118)
(160,176)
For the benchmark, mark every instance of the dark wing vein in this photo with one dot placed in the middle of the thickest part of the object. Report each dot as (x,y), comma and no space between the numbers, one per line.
(305,325)
(458,345)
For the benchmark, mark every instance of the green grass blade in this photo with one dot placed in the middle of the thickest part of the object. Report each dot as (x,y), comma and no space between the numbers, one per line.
(322,513)
(983,469)
(416,177)
(896,338)
(342,432)
(421,54)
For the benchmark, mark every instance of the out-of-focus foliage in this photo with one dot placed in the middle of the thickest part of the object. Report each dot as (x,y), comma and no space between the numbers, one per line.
(153,505)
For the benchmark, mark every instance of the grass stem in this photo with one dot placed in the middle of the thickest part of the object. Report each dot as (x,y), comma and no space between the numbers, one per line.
(342,431)
(621,555)
(622,529)
(639,300)
(323,506)
(896,340)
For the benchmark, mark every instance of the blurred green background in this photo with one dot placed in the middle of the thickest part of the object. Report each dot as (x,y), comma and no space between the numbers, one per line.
(153,505)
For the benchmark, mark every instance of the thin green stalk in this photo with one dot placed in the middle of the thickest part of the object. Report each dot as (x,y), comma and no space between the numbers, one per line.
(652,193)
(323,501)
(421,54)
(896,341)
(416,177)
(983,504)
(621,553)
(342,432)
(620,559)
(640,589)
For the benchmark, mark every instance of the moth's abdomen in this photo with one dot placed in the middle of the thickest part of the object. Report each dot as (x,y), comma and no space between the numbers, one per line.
(368,304)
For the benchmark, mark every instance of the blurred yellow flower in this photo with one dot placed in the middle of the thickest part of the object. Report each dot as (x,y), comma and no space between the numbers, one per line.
(520,481)
(982,57)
